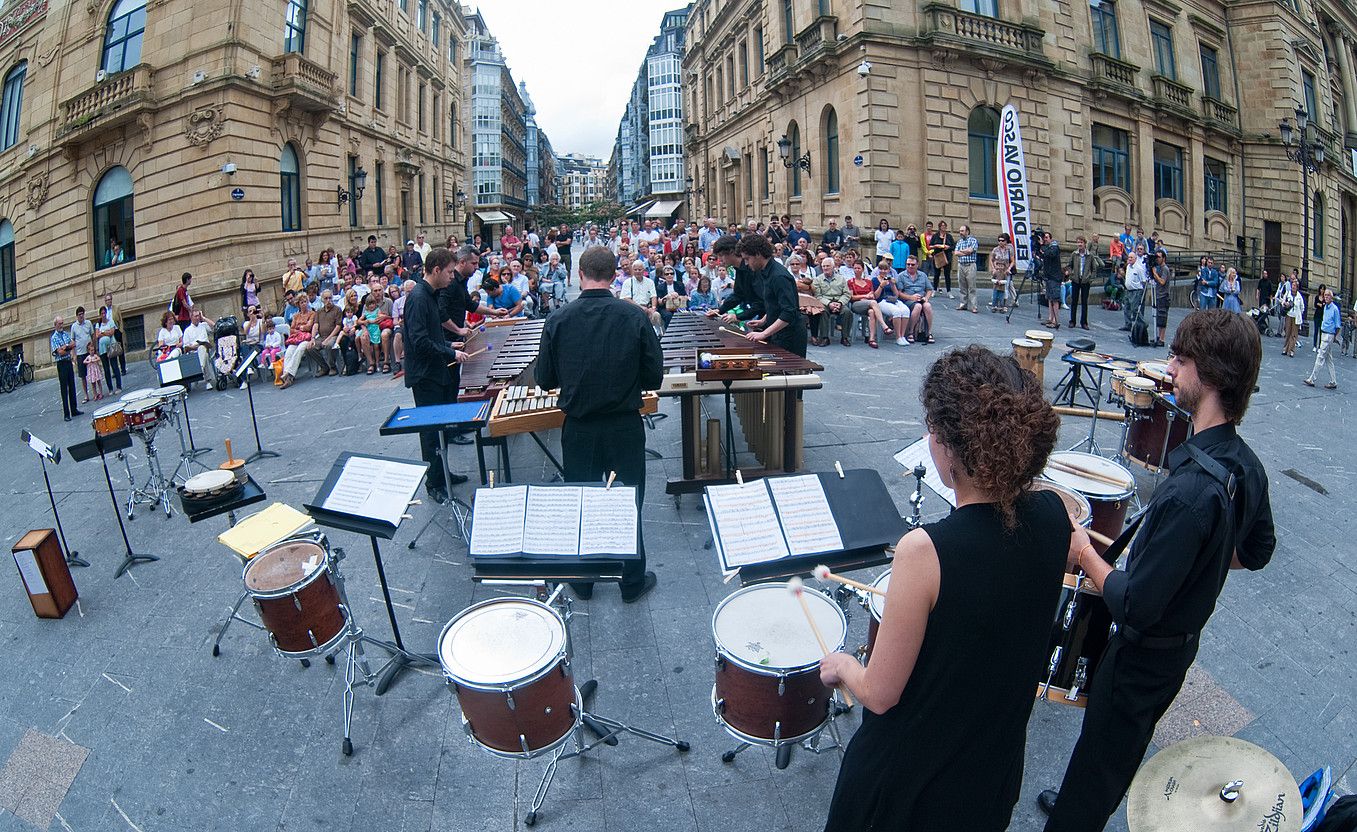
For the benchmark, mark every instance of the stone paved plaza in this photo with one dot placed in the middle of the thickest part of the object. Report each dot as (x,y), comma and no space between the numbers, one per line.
(118,717)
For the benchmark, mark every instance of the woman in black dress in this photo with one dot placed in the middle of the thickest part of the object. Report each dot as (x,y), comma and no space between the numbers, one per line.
(962,641)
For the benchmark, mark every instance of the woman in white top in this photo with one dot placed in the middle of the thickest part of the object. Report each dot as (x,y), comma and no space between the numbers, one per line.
(1293,313)
(884,237)
(169,340)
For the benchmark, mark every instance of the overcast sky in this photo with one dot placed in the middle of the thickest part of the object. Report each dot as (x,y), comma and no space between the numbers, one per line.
(579,59)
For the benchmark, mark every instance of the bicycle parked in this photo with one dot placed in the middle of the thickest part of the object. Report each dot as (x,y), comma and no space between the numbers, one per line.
(14,370)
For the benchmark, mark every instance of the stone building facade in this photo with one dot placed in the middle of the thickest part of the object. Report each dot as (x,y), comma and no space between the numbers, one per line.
(210,140)
(1160,113)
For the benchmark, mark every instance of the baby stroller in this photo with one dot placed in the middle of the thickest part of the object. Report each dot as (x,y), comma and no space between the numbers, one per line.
(227,335)
(1262,318)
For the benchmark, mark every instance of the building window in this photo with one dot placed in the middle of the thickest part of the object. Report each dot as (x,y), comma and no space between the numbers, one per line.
(744,63)
(422,14)
(1214,184)
(437,28)
(787,23)
(11,106)
(113,218)
(720,85)
(1307,88)
(9,284)
(758,49)
(1161,38)
(1103,14)
(1111,158)
(290,188)
(379,75)
(294,30)
(1317,248)
(419,108)
(764,184)
(1210,72)
(436,199)
(730,76)
(988,8)
(1168,172)
(421,199)
(831,153)
(353,191)
(381,193)
(402,94)
(749,177)
(982,138)
(122,40)
(794,134)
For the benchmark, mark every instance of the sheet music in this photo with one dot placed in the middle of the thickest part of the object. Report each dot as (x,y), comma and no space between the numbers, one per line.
(29,571)
(170,371)
(746,524)
(379,489)
(917,454)
(608,521)
(807,522)
(551,524)
(497,525)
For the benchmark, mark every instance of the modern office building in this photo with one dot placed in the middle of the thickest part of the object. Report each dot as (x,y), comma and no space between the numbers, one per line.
(499,152)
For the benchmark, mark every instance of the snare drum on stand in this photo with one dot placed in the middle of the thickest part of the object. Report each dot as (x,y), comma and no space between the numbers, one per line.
(1108,502)
(768,690)
(109,420)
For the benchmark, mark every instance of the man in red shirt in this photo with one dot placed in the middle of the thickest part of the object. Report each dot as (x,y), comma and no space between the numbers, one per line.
(183,304)
(509,244)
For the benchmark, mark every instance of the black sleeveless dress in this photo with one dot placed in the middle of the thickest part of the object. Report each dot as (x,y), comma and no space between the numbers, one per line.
(949,755)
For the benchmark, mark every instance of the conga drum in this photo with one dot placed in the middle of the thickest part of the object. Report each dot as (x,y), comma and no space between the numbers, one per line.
(1138,392)
(1041,336)
(1029,354)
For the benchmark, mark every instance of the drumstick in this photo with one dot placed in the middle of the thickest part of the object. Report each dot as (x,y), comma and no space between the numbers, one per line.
(1075,469)
(795,587)
(822,573)
(1083,411)
(1099,537)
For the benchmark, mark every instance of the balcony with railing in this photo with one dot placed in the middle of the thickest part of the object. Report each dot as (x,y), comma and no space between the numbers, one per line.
(310,86)
(1115,77)
(1170,94)
(1220,115)
(779,65)
(113,101)
(947,26)
(817,40)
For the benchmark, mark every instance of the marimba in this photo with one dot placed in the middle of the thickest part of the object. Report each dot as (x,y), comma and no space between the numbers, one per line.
(501,353)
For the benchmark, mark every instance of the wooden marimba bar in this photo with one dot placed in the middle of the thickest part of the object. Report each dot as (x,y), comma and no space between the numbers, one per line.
(504,350)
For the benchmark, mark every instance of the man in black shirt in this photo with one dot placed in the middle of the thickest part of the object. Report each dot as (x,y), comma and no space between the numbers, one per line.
(1211,515)
(602,352)
(747,294)
(429,361)
(372,259)
(783,325)
(454,303)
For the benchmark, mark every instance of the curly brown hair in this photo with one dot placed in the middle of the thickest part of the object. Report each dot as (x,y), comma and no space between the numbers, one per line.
(993,417)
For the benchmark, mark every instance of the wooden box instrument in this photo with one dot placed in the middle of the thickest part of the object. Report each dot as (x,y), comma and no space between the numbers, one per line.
(44,573)
(729,364)
(523,409)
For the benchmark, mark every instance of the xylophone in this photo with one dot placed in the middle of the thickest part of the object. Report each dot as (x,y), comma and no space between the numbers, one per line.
(523,409)
(769,408)
(500,353)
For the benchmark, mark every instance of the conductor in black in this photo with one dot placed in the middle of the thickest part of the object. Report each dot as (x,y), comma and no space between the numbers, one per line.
(1209,516)
(782,325)
(602,352)
(429,360)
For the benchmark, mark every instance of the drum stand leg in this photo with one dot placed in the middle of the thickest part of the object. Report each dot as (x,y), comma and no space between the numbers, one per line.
(234,616)
(129,557)
(729,756)
(188,457)
(356,661)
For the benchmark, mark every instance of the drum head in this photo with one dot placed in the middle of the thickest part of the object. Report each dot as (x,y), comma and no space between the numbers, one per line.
(1157,370)
(1075,504)
(763,626)
(500,642)
(172,391)
(108,410)
(141,405)
(1085,357)
(878,602)
(1027,343)
(1089,487)
(1121,364)
(209,481)
(1039,335)
(137,395)
(1140,383)
(284,566)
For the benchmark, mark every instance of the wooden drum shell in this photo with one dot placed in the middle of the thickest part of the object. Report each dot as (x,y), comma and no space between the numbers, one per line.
(770,709)
(541,712)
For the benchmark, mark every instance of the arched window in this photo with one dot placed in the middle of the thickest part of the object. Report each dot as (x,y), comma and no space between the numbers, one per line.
(290,188)
(12,105)
(294,31)
(982,136)
(8,283)
(122,40)
(794,134)
(1317,224)
(830,130)
(113,219)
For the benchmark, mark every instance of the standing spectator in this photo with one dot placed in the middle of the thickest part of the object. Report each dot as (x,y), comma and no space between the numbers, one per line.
(1329,322)
(411,260)
(1083,265)
(371,259)
(82,333)
(776,233)
(966,249)
(62,348)
(1208,281)
(1292,303)
(1229,291)
(1052,276)
(182,305)
(294,279)
(915,245)
(884,237)
(1001,272)
(94,373)
(852,235)
(1135,288)
(1127,240)
(941,246)
(197,338)
(422,247)
(797,235)
(1161,278)
(509,243)
(1319,315)
(249,290)
(594,240)
(112,317)
(109,350)
(564,240)
(709,234)
(832,240)
(900,248)
(1265,290)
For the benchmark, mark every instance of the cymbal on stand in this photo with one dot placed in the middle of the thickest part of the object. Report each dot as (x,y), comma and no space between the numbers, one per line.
(1213,784)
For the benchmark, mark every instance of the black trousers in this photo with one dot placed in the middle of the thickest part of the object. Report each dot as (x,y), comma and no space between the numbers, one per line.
(1131,690)
(590,448)
(112,372)
(1079,301)
(66,381)
(432,392)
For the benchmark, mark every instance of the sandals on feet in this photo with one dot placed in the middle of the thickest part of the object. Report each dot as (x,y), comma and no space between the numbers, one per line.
(871,342)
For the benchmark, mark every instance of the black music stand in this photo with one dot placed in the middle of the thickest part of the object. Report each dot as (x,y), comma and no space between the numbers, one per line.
(46,452)
(99,446)
(401,657)
(245,370)
(184,370)
(456,417)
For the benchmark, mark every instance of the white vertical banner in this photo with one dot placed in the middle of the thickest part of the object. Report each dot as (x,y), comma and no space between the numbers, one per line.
(1015,208)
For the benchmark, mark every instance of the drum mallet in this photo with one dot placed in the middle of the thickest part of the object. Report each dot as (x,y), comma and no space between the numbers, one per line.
(822,573)
(797,588)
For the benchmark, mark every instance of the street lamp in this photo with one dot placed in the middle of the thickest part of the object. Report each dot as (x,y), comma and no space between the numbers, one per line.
(688,194)
(784,152)
(1308,152)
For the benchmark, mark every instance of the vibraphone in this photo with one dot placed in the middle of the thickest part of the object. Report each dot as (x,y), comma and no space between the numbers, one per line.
(769,408)
(501,352)
(522,409)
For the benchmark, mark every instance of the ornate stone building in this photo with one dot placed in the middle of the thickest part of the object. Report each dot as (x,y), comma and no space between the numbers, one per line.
(212,138)
(1162,113)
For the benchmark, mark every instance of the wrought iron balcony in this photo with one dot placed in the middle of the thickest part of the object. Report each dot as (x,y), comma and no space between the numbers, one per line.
(114,101)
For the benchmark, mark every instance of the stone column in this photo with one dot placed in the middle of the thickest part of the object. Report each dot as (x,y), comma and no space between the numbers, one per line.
(1349,89)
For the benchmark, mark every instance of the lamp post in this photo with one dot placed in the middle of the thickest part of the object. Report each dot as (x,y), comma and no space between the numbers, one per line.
(1308,152)
(688,193)
(784,152)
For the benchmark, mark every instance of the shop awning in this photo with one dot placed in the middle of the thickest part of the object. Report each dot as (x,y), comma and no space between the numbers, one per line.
(494,218)
(640,208)
(663,208)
